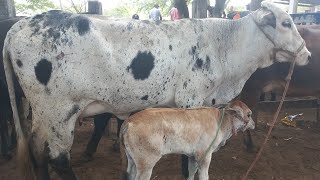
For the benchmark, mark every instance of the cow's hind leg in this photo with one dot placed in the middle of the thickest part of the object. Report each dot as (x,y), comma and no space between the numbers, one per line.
(53,132)
(100,123)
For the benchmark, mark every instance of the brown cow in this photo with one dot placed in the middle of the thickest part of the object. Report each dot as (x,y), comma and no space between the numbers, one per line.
(304,82)
(151,133)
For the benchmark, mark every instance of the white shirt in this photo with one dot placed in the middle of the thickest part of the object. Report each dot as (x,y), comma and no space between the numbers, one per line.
(155,14)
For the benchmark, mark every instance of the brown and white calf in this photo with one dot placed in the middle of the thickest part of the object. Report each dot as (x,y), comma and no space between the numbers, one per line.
(154,132)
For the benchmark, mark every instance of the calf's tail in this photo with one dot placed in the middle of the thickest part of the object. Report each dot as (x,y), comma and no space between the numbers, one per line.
(24,162)
(124,160)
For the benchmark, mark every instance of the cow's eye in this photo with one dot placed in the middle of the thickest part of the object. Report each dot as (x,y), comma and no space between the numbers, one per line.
(249,115)
(286,24)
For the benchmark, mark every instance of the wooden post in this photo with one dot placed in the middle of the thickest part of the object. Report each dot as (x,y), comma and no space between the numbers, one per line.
(293,5)
(94,7)
(199,8)
(7,9)
(318,118)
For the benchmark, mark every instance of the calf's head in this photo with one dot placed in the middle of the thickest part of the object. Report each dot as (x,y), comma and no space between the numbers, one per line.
(278,27)
(240,114)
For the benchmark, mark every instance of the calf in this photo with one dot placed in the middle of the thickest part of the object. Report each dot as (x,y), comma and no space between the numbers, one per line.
(197,133)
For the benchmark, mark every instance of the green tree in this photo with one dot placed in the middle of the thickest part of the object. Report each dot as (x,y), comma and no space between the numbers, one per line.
(34,6)
(75,6)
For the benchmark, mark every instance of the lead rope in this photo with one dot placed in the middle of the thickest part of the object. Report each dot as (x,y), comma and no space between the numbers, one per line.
(288,79)
(207,151)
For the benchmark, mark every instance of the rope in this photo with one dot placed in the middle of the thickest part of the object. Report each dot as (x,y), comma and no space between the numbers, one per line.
(288,78)
(207,151)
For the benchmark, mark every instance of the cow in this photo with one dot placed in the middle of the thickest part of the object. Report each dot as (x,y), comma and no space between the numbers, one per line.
(304,81)
(197,133)
(5,107)
(74,66)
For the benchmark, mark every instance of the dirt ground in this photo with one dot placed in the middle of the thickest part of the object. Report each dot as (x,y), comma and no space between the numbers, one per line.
(291,153)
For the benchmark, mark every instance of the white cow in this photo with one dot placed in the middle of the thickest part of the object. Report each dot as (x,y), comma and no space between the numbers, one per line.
(72,66)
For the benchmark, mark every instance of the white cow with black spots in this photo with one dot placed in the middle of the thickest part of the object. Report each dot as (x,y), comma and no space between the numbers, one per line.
(72,66)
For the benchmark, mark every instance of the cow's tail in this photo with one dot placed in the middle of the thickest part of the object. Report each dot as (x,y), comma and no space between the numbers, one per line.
(124,160)
(25,165)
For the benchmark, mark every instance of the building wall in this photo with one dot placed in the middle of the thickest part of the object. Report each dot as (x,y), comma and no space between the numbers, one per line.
(7,9)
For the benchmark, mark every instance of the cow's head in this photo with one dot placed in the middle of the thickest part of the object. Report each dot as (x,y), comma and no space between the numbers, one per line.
(240,114)
(279,28)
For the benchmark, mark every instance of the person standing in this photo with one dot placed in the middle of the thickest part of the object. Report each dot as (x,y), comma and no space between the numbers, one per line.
(155,14)
(174,13)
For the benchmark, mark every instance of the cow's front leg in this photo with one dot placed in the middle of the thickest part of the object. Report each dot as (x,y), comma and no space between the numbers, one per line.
(203,171)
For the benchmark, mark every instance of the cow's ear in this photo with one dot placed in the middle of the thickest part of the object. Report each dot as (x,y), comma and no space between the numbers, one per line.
(267,18)
(237,113)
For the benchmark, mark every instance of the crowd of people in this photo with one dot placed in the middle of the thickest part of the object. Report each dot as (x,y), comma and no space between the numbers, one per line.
(155,14)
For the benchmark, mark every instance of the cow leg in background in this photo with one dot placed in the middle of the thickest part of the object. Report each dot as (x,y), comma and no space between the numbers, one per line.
(116,144)
(4,135)
(100,123)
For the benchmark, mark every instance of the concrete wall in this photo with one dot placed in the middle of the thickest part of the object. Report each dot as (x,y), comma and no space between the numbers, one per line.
(7,9)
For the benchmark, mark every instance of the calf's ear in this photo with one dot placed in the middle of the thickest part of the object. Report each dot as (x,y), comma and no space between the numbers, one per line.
(235,113)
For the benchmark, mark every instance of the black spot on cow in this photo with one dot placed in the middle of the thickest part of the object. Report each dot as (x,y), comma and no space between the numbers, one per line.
(185,84)
(57,23)
(83,25)
(213,101)
(170,47)
(187,106)
(142,65)
(129,26)
(43,71)
(199,63)
(19,63)
(145,97)
(193,50)
(72,111)
(47,90)
(53,34)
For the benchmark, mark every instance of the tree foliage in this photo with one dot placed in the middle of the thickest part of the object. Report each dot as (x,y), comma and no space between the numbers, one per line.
(75,6)
(34,6)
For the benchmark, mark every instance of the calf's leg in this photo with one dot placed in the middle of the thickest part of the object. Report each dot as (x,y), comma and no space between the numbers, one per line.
(203,171)
(192,165)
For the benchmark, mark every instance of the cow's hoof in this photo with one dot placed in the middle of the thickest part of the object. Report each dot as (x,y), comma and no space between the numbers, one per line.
(85,157)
